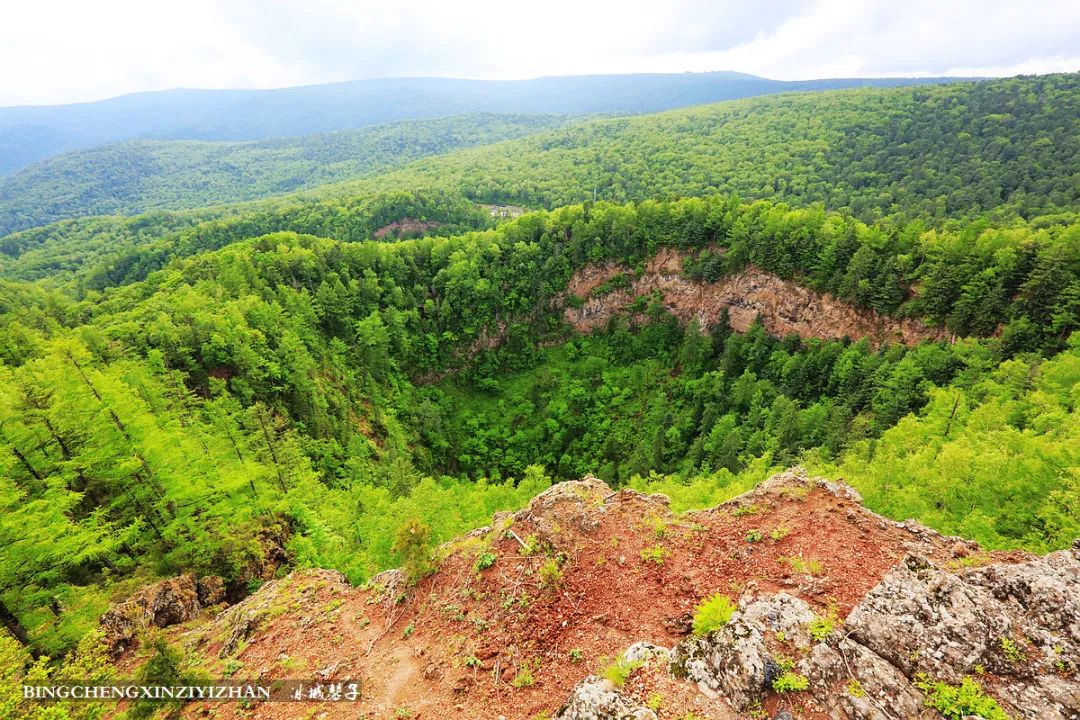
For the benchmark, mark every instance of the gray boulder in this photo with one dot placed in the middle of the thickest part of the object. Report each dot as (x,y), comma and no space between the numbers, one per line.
(734,662)
(596,699)
(1018,621)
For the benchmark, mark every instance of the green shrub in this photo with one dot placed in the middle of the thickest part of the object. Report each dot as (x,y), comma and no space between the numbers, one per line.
(790,682)
(551,574)
(531,545)
(656,554)
(713,613)
(484,561)
(524,677)
(168,667)
(412,546)
(959,701)
(1012,651)
(820,627)
(801,565)
(620,670)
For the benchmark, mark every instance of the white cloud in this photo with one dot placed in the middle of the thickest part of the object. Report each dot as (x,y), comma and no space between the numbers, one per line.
(71,50)
(68,51)
(916,38)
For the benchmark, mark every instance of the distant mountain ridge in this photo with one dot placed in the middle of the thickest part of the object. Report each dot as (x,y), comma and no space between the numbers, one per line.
(135,176)
(32,133)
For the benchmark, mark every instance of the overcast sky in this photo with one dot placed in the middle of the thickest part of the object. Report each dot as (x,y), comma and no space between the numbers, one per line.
(55,51)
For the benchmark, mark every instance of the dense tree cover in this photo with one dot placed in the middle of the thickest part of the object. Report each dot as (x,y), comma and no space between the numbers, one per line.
(998,461)
(1002,148)
(29,133)
(287,388)
(88,664)
(143,175)
(994,459)
(56,251)
(671,400)
(112,472)
(1008,146)
(95,253)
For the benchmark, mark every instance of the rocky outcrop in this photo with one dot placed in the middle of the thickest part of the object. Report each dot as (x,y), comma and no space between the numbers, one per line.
(884,692)
(405,227)
(574,497)
(238,623)
(1013,626)
(165,603)
(210,590)
(1019,623)
(735,662)
(596,699)
(873,617)
(784,306)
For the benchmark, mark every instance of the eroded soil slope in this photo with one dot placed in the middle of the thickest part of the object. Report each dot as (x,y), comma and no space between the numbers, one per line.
(522,618)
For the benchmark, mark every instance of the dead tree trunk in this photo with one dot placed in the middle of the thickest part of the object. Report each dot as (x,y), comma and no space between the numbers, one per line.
(14,627)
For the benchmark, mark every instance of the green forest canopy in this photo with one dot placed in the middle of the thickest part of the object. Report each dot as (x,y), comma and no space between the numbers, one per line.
(189,391)
(141,175)
(1000,148)
(285,389)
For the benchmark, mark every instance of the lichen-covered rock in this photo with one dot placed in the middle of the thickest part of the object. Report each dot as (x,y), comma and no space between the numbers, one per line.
(857,684)
(1018,621)
(646,652)
(922,619)
(210,589)
(388,584)
(596,699)
(793,481)
(1045,593)
(734,661)
(781,613)
(570,504)
(168,602)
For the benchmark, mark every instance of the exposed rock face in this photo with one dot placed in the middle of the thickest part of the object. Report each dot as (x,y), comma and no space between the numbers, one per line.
(571,503)
(596,699)
(210,589)
(405,226)
(1020,622)
(734,662)
(1013,626)
(921,620)
(886,693)
(168,602)
(888,602)
(785,307)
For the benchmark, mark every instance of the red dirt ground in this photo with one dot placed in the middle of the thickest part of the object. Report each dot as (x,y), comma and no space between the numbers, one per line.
(463,643)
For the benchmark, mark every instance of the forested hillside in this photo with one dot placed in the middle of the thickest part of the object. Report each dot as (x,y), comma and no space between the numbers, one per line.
(134,177)
(99,252)
(1001,146)
(29,134)
(294,394)
(1001,149)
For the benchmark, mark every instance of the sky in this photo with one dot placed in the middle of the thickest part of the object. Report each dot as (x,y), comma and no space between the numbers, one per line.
(59,51)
